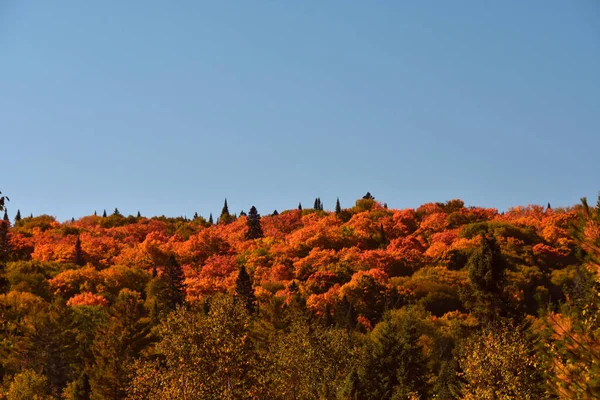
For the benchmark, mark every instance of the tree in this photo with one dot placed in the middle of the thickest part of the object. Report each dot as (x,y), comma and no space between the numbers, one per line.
(487,268)
(3,200)
(210,219)
(318,205)
(104,214)
(275,213)
(300,206)
(368,196)
(139,215)
(245,290)
(382,238)
(499,363)
(28,385)
(253,222)
(5,246)
(202,357)
(338,207)
(18,216)
(174,289)
(5,218)
(225,217)
(79,260)
(117,344)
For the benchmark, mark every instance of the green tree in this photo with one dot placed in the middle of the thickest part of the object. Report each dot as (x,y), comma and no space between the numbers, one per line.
(225,217)
(5,218)
(104,214)
(18,216)
(79,260)
(487,271)
(253,223)
(174,284)
(244,289)
(117,344)
(338,207)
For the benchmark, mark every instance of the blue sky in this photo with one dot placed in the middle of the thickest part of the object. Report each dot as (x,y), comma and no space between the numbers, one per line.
(169,107)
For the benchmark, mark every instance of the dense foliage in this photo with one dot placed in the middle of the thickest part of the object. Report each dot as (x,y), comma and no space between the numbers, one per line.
(368,302)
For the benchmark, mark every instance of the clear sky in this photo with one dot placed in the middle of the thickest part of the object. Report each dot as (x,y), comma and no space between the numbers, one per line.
(168,107)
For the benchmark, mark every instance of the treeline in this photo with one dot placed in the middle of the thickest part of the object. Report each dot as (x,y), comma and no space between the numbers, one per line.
(443,301)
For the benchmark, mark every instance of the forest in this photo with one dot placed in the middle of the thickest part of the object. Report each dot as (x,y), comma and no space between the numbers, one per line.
(363,301)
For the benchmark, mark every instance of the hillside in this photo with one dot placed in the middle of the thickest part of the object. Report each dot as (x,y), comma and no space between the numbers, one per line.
(378,302)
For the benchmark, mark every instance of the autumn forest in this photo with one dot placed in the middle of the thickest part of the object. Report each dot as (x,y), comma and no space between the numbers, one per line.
(361,301)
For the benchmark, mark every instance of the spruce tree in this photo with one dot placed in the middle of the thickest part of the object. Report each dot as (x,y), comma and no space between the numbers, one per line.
(300,206)
(210,219)
(173,277)
(244,289)
(243,214)
(338,207)
(196,215)
(368,196)
(95,213)
(104,214)
(18,216)
(5,246)
(225,217)
(253,222)
(79,260)
(275,213)
(72,219)
(116,212)
(139,215)
(6,216)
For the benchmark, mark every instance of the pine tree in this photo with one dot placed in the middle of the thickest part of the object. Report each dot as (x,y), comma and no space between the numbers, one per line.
(104,214)
(243,214)
(72,219)
(300,206)
(275,213)
(244,289)
(6,217)
(225,217)
(196,215)
(338,207)
(253,222)
(18,216)
(116,212)
(79,260)
(173,278)
(139,215)
(95,213)
(368,196)
(210,219)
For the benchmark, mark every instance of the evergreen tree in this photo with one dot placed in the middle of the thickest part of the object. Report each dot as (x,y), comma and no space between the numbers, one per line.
(487,269)
(300,206)
(195,215)
(116,212)
(338,207)
(95,213)
(5,246)
(104,214)
(382,237)
(173,277)
(139,215)
(79,260)
(275,213)
(6,216)
(549,207)
(72,219)
(447,383)
(210,219)
(117,344)
(244,289)
(368,196)
(18,216)
(225,217)
(253,222)
(243,213)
